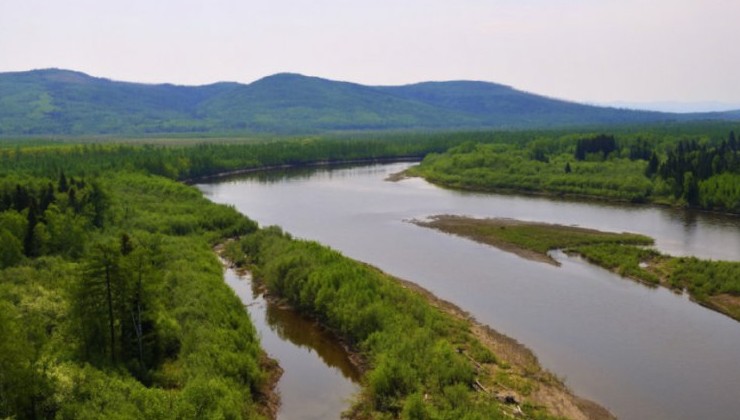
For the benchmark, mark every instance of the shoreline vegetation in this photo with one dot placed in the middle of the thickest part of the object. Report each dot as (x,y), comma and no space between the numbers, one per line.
(431,360)
(112,300)
(699,173)
(714,284)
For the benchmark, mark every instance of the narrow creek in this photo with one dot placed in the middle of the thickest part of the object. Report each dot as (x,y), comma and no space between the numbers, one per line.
(318,379)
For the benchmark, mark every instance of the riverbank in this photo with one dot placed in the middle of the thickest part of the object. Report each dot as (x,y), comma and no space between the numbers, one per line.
(714,284)
(413,172)
(552,392)
(311,164)
(269,398)
(432,356)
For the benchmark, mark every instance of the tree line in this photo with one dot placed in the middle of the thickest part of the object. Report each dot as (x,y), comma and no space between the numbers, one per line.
(698,172)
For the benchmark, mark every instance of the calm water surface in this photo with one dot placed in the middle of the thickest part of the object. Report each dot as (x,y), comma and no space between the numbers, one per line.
(643,353)
(318,378)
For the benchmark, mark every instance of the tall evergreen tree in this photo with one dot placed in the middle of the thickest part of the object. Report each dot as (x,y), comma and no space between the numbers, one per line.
(30,247)
(97,301)
(47,197)
(21,198)
(63,185)
(653,165)
(690,189)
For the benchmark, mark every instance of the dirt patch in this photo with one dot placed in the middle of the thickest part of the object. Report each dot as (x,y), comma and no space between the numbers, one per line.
(727,304)
(269,401)
(398,176)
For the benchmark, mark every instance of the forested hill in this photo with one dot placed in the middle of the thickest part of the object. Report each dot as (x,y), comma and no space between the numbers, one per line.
(65,102)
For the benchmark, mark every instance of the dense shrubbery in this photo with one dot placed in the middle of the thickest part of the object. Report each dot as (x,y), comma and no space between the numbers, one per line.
(113,303)
(697,173)
(626,260)
(413,348)
(705,278)
(508,167)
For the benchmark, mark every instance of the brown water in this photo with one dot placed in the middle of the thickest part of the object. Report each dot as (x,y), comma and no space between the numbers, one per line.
(318,378)
(643,353)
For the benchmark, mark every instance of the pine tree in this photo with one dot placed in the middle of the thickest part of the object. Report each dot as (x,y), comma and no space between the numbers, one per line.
(98,301)
(690,189)
(47,198)
(63,185)
(29,243)
(653,165)
(99,202)
(21,199)
(72,197)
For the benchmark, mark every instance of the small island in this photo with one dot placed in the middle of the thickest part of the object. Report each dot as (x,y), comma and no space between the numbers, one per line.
(714,284)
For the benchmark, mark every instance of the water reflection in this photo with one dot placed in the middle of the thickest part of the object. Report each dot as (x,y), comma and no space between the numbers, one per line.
(318,378)
(302,332)
(294,174)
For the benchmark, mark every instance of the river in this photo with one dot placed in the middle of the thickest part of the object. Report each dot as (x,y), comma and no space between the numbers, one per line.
(318,377)
(641,352)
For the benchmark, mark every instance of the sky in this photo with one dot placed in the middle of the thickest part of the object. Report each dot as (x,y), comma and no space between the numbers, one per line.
(594,51)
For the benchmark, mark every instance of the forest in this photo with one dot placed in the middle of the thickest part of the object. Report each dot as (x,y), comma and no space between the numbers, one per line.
(113,302)
(113,299)
(700,171)
(111,295)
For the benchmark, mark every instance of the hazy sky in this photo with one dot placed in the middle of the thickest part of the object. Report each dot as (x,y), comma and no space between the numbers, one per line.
(585,50)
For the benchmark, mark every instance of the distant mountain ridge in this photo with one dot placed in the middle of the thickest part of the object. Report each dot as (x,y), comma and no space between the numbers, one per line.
(64,102)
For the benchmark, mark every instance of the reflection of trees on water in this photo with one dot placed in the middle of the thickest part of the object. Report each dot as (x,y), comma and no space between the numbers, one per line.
(689,219)
(302,332)
(331,171)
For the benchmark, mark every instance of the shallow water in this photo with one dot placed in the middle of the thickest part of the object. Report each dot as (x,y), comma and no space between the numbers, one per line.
(641,352)
(318,378)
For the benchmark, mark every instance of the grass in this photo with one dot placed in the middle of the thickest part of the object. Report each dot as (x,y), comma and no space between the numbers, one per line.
(714,284)
(528,239)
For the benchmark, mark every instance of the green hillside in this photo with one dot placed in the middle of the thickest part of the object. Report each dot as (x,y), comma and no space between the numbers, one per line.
(63,102)
(503,106)
(295,102)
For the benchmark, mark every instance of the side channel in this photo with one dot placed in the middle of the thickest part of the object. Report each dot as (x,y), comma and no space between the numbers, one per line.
(318,378)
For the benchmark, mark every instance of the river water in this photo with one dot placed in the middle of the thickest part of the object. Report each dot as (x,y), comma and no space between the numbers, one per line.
(318,377)
(643,353)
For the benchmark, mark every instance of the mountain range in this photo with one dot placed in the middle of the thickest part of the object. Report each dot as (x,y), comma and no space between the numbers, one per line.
(64,102)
